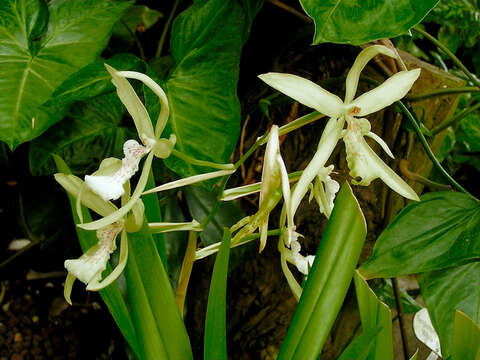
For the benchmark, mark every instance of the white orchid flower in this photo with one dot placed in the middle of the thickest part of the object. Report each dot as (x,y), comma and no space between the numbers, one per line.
(89,267)
(314,96)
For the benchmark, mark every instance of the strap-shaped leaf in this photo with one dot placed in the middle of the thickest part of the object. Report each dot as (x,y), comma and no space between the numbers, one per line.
(215,347)
(328,280)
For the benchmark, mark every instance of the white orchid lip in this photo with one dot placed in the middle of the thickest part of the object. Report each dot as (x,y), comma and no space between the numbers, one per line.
(93,262)
(110,187)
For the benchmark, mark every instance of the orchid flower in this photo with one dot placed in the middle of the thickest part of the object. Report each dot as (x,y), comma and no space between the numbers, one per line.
(111,181)
(364,164)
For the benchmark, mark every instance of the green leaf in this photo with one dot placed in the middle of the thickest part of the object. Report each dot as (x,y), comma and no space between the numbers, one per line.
(37,57)
(466,338)
(328,280)
(206,43)
(90,134)
(175,241)
(215,344)
(155,312)
(441,230)
(467,135)
(111,295)
(448,290)
(137,18)
(384,292)
(94,79)
(375,315)
(360,347)
(361,21)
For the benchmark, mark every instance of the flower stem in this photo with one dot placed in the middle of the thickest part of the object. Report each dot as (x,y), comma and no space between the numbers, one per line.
(430,153)
(449,54)
(161,42)
(444,92)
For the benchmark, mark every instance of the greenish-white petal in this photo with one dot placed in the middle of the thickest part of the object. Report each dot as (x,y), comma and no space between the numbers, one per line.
(96,284)
(163,147)
(164,227)
(328,141)
(382,143)
(305,92)
(157,90)
(130,99)
(67,287)
(391,90)
(73,185)
(362,59)
(366,166)
(189,180)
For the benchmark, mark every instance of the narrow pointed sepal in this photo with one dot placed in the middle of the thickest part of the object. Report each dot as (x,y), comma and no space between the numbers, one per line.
(362,59)
(305,92)
(130,99)
(391,90)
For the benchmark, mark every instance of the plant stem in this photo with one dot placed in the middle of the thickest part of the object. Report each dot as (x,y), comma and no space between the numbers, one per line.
(165,29)
(449,54)
(454,119)
(443,92)
(194,161)
(186,271)
(135,39)
(430,153)
(403,332)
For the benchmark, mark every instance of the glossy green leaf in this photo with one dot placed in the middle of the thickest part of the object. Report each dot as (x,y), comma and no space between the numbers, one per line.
(154,309)
(448,290)
(360,347)
(206,42)
(111,295)
(358,22)
(137,18)
(215,344)
(40,48)
(89,134)
(153,213)
(176,241)
(384,292)
(440,231)
(375,315)
(466,338)
(94,79)
(328,280)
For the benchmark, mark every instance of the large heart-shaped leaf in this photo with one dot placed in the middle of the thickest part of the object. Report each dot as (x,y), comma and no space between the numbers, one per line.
(89,134)
(448,290)
(440,231)
(40,47)
(360,21)
(91,130)
(206,43)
